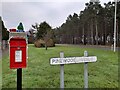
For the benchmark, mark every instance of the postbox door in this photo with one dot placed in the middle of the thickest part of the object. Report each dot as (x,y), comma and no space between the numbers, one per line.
(17,53)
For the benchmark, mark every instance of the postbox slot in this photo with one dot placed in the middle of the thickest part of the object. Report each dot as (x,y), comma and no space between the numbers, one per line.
(18,46)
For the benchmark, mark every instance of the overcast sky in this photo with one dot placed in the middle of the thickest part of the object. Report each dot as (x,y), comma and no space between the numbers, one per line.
(29,12)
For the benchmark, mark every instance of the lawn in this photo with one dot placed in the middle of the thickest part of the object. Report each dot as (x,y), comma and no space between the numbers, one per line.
(40,74)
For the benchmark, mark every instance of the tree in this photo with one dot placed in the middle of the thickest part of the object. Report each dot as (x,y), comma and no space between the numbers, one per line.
(47,37)
(30,36)
(5,33)
(94,25)
(118,24)
(0,30)
(44,31)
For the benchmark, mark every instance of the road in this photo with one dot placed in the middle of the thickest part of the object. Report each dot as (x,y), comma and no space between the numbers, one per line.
(92,46)
(0,54)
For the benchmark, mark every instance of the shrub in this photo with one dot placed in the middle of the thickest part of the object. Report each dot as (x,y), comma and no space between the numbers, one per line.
(41,43)
(50,43)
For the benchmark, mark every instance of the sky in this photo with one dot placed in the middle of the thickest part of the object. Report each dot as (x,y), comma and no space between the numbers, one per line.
(29,12)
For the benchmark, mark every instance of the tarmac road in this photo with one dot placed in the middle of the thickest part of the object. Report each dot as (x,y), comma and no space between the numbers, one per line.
(93,46)
(0,54)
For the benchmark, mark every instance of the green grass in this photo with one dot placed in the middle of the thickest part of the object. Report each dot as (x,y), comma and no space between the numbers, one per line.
(40,74)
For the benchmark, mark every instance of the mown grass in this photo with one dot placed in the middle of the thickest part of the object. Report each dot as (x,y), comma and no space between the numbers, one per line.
(40,74)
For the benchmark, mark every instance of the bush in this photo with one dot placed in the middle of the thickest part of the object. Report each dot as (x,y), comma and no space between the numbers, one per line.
(41,43)
(50,43)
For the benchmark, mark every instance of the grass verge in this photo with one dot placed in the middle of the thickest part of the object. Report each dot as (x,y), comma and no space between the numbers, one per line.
(40,74)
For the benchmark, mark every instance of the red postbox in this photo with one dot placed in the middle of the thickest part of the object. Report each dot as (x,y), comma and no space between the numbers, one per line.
(18,53)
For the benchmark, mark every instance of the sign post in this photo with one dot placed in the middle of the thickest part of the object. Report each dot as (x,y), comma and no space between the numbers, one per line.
(85,71)
(73,60)
(62,72)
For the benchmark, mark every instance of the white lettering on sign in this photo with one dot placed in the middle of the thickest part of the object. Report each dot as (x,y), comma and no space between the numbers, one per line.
(70,60)
(18,56)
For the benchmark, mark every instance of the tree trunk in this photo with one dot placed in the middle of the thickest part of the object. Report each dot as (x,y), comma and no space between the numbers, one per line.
(96,33)
(73,40)
(46,46)
(105,34)
(83,36)
(117,33)
(92,42)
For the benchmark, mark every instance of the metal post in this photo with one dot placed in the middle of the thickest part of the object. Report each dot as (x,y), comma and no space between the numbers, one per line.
(85,71)
(115,26)
(62,72)
(19,79)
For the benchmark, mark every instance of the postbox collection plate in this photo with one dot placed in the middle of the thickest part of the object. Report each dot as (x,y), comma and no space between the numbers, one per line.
(18,56)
